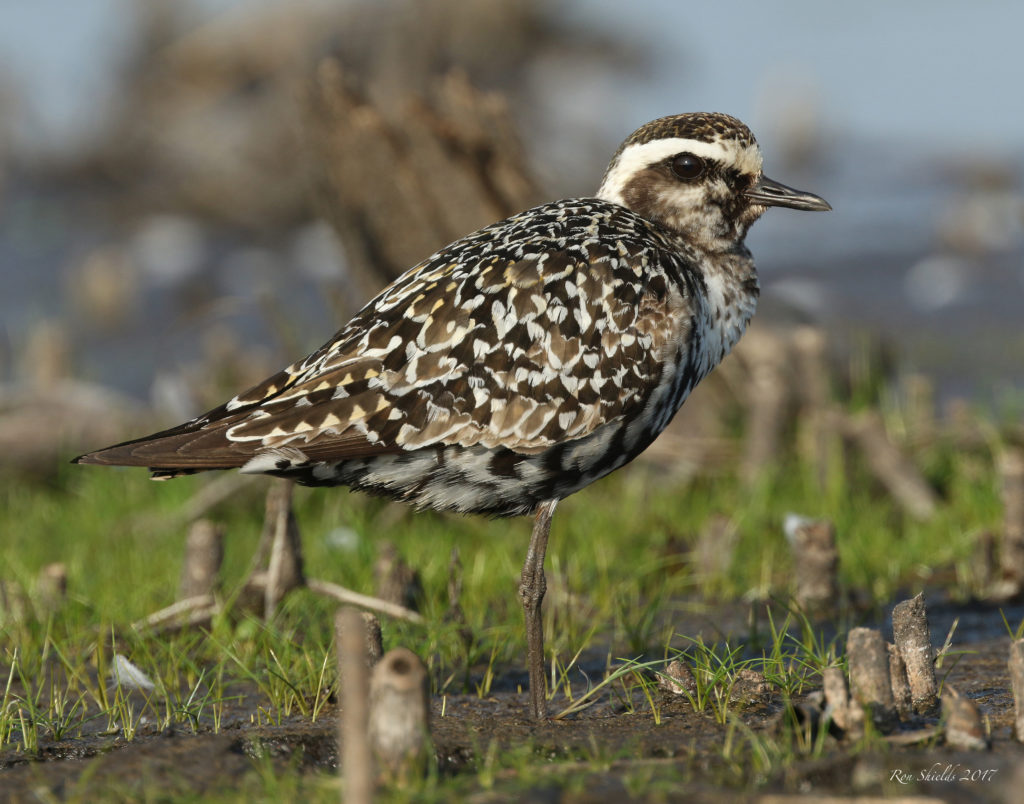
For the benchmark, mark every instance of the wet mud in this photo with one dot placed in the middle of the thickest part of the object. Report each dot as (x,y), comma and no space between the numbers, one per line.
(612,751)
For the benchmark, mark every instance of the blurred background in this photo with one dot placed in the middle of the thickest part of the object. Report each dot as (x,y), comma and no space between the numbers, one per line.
(193,194)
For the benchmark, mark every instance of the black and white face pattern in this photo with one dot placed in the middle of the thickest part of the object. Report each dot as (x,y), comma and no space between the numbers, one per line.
(690,174)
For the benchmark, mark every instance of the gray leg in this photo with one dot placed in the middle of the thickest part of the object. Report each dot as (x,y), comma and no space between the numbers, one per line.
(532,586)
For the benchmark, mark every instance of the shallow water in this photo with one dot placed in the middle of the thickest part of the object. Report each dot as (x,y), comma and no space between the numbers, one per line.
(881,262)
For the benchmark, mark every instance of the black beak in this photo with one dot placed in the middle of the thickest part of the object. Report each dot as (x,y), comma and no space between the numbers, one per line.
(773,194)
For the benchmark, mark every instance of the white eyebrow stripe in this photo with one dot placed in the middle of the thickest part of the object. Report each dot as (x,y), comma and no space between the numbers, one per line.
(637,157)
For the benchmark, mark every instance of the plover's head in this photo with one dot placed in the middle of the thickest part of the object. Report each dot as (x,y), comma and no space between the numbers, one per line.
(698,175)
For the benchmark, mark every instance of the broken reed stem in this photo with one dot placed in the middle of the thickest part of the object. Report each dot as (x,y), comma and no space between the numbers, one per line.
(52,587)
(373,638)
(920,407)
(455,613)
(284,570)
(399,719)
(814,437)
(13,602)
(1017,682)
(898,678)
(963,721)
(200,609)
(837,695)
(343,595)
(983,563)
(816,563)
(913,640)
(397,582)
(285,566)
(1011,471)
(459,167)
(356,758)
(869,674)
(716,547)
(837,701)
(204,553)
(892,468)
(766,409)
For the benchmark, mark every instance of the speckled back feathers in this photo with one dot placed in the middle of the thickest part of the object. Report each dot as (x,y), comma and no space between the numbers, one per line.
(514,366)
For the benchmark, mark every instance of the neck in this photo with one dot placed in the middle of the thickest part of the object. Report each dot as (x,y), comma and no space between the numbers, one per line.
(732,292)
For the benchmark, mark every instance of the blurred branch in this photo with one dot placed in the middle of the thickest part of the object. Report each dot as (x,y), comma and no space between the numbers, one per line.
(433,170)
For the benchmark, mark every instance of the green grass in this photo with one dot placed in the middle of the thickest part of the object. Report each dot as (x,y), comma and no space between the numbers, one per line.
(616,585)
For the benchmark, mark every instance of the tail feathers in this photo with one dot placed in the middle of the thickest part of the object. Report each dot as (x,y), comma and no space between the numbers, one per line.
(174,452)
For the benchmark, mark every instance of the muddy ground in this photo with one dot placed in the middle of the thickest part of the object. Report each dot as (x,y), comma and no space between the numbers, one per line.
(611,754)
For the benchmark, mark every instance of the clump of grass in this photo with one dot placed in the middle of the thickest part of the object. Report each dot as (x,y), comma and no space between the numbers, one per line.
(628,676)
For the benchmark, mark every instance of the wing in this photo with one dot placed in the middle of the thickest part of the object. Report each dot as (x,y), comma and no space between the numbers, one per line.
(531,332)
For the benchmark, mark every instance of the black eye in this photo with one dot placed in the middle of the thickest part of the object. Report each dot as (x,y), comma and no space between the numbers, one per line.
(688,166)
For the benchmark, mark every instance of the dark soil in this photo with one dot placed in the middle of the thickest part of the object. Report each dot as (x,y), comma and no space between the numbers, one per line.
(605,753)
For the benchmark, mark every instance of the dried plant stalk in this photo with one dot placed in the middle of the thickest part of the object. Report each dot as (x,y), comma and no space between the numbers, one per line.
(963,722)
(892,468)
(898,678)
(767,404)
(1017,682)
(399,719)
(913,640)
(816,562)
(452,162)
(869,674)
(1011,470)
(356,757)
(204,553)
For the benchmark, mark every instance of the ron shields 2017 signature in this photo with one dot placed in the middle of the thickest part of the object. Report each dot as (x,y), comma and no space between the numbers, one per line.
(940,772)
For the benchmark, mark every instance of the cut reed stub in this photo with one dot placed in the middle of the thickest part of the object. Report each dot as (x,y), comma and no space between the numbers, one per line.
(898,678)
(767,404)
(1017,682)
(1011,471)
(817,439)
(204,553)
(356,763)
(285,565)
(716,547)
(893,469)
(919,393)
(913,640)
(52,587)
(849,719)
(399,721)
(983,563)
(963,722)
(369,626)
(869,675)
(13,602)
(397,582)
(816,563)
